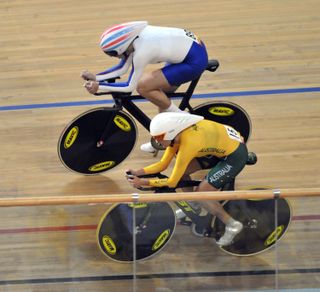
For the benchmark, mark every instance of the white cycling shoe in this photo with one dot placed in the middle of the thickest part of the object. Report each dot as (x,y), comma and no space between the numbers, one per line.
(147,147)
(230,232)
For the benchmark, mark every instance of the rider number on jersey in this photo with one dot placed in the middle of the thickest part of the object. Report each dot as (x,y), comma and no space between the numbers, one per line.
(190,34)
(233,134)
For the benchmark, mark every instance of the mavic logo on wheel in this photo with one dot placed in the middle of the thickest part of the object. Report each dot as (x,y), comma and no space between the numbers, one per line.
(138,205)
(122,123)
(161,239)
(71,137)
(109,245)
(221,111)
(274,235)
(101,166)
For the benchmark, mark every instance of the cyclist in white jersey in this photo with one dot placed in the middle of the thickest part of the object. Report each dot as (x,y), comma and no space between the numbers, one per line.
(138,44)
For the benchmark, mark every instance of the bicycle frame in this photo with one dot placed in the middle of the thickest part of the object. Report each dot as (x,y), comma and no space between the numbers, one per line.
(125,100)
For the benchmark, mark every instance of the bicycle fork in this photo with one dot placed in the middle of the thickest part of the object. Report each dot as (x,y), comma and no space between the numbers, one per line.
(106,130)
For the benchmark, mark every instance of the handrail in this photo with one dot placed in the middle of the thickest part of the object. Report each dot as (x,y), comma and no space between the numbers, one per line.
(159,197)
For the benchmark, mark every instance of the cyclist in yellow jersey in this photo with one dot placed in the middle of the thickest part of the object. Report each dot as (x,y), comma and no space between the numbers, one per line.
(197,144)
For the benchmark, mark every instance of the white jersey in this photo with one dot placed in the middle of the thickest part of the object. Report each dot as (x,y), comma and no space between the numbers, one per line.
(154,45)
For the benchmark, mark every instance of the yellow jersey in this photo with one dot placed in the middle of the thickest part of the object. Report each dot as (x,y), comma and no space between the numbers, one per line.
(202,139)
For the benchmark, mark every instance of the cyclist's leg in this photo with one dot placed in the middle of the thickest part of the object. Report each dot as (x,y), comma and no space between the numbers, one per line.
(213,207)
(153,86)
(225,171)
(193,167)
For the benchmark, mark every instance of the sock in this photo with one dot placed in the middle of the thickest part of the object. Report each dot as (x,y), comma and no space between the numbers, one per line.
(172,108)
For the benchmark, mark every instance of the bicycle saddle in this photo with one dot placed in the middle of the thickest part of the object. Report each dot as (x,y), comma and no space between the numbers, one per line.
(212,65)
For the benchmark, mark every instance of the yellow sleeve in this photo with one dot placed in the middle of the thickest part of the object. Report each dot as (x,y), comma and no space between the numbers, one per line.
(163,163)
(185,155)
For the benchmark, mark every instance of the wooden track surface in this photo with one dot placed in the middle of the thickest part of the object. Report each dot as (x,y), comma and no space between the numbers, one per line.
(269,45)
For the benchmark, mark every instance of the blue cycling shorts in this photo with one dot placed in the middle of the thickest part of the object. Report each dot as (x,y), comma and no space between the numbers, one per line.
(190,68)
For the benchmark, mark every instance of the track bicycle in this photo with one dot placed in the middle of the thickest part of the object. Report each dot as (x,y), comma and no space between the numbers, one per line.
(101,138)
(128,232)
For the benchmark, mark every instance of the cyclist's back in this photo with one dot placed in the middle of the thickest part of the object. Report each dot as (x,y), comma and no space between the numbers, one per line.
(164,44)
(209,138)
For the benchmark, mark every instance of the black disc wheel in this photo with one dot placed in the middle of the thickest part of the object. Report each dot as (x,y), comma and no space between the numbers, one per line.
(227,113)
(77,146)
(152,225)
(262,228)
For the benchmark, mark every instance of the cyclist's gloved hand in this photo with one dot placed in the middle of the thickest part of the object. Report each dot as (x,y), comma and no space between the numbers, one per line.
(138,172)
(130,172)
(136,181)
(86,75)
(91,86)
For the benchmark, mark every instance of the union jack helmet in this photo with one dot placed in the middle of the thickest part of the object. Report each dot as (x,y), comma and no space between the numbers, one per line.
(116,39)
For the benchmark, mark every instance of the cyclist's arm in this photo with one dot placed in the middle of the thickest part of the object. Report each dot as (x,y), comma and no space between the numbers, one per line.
(163,163)
(139,62)
(115,71)
(182,161)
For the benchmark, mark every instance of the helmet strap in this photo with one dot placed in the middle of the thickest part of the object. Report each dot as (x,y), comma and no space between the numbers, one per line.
(130,49)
